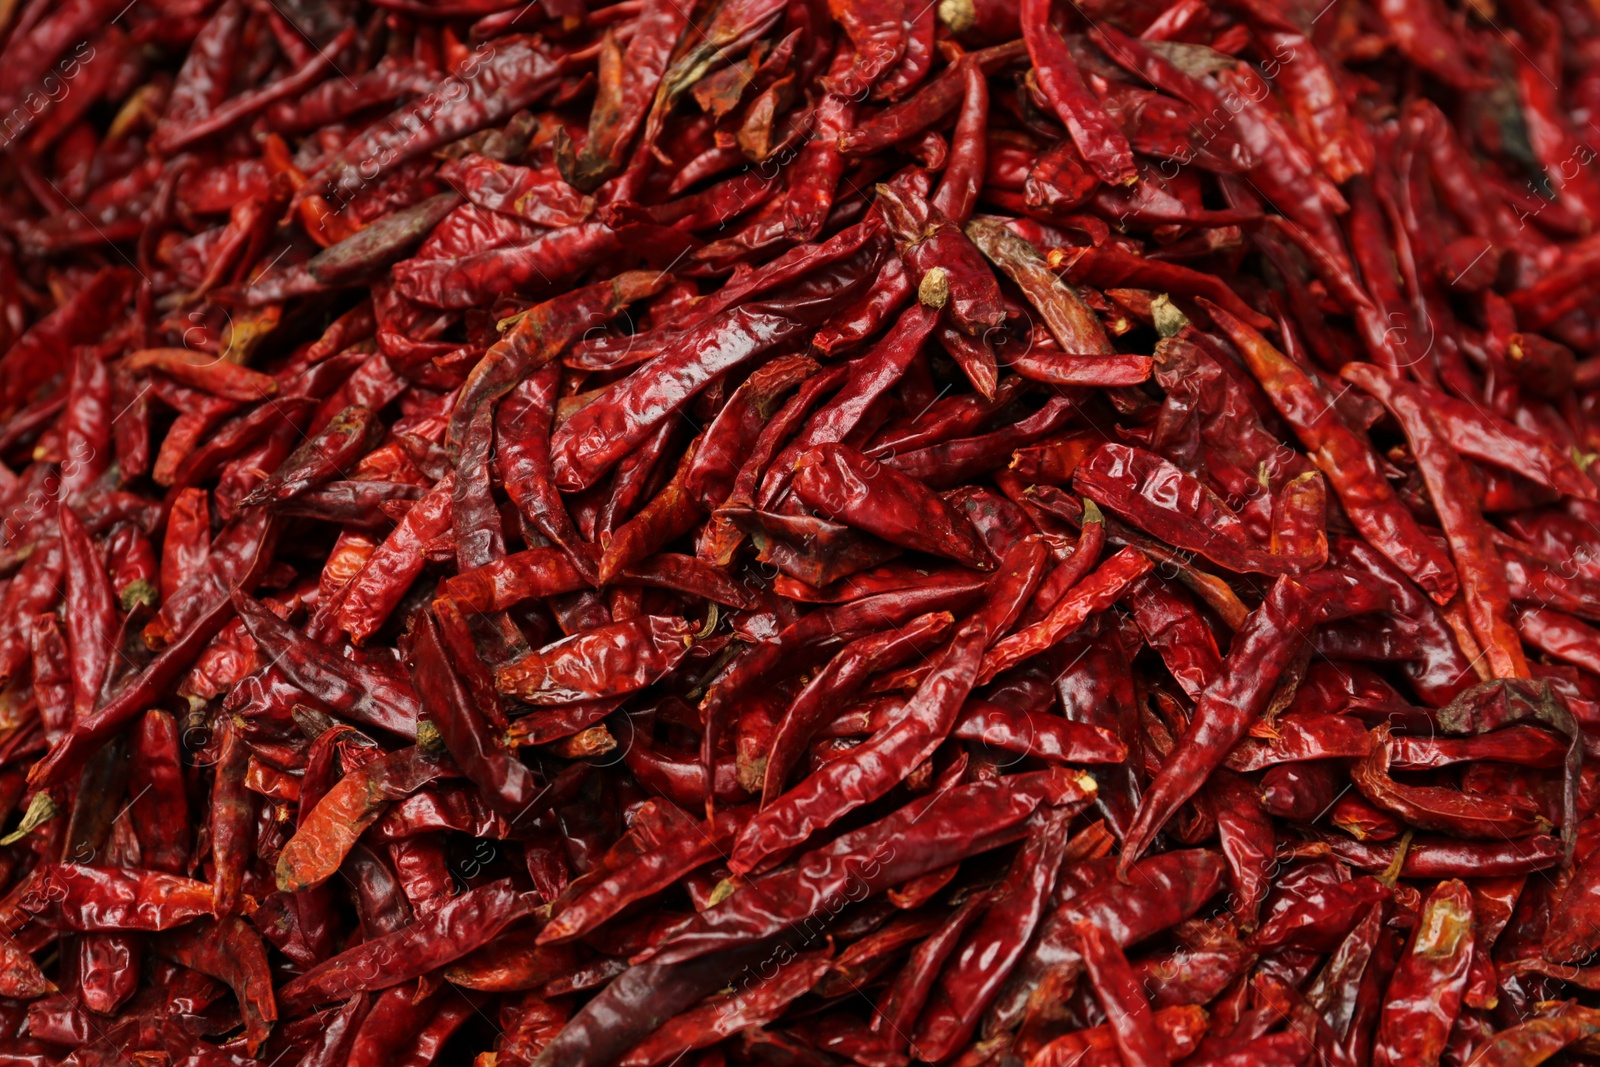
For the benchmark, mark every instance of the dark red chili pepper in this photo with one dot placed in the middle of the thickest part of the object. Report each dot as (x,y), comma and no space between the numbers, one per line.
(837,682)
(463,722)
(352,689)
(867,772)
(1269,639)
(847,486)
(980,964)
(1062,83)
(1349,464)
(1425,993)
(592,441)
(945,269)
(606,661)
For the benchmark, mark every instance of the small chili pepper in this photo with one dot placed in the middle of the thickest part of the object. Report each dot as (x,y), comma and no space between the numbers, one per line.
(321,841)
(1425,993)
(837,682)
(454,928)
(352,689)
(606,661)
(847,486)
(232,952)
(592,441)
(504,780)
(869,771)
(1092,130)
(365,603)
(986,954)
(1349,464)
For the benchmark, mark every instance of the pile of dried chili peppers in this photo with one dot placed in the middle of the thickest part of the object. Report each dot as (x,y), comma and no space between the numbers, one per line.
(773,532)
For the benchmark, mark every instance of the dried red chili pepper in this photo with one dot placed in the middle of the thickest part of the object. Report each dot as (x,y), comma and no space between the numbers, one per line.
(1425,993)
(847,486)
(1062,83)
(866,773)
(606,661)
(1351,466)
(326,834)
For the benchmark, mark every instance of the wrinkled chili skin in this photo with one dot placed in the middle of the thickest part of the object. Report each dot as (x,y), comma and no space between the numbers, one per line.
(1267,643)
(866,773)
(843,484)
(1425,993)
(607,661)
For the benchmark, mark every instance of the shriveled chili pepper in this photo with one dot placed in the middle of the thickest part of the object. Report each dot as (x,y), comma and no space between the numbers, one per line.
(1092,130)
(1095,592)
(463,725)
(981,963)
(596,437)
(1169,888)
(1070,321)
(607,661)
(837,682)
(1350,465)
(365,602)
(1425,993)
(453,929)
(350,688)
(323,838)
(866,773)
(844,485)
(1269,639)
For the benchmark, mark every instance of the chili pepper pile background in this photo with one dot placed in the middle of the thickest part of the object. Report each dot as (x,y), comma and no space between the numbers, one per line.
(792,533)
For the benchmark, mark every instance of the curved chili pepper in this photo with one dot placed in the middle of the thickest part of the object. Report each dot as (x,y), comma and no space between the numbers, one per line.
(606,661)
(352,689)
(232,952)
(1096,592)
(875,767)
(1165,502)
(845,485)
(1425,994)
(1070,321)
(629,81)
(1349,463)
(837,682)
(323,838)
(945,268)
(1433,808)
(1092,130)
(459,925)
(1262,650)
(986,954)
(1169,888)
(592,441)
(462,721)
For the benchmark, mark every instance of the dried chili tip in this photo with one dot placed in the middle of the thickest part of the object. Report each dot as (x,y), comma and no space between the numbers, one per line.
(41,809)
(934,289)
(1265,729)
(141,592)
